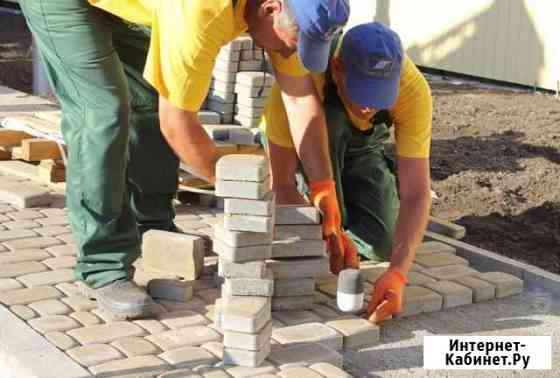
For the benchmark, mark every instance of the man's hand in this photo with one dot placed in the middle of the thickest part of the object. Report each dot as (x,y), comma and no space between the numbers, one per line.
(342,251)
(387,296)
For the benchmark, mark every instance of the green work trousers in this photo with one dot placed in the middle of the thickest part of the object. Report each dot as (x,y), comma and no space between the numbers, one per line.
(121,173)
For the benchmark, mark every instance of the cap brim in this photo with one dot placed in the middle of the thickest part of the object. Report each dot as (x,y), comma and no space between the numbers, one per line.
(371,92)
(313,54)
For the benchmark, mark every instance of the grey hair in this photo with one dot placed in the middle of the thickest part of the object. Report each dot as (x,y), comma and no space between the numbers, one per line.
(286,19)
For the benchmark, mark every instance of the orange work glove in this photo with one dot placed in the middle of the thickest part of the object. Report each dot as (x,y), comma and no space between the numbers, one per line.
(342,251)
(387,296)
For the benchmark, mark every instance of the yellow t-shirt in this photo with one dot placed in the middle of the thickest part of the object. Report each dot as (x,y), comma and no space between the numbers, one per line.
(411,114)
(186,38)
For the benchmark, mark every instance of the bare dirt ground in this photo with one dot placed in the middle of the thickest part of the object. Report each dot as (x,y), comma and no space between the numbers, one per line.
(495,159)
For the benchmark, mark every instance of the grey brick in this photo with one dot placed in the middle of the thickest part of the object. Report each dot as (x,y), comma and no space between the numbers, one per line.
(189,356)
(248,223)
(298,248)
(291,318)
(21,268)
(309,333)
(450,272)
(173,290)
(434,247)
(242,254)
(297,214)
(26,296)
(305,354)
(294,287)
(418,299)
(258,287)
(243,189)
(178,338)
(250,269)
(302,302)
(506,284)
(52,277)
(106,333)
(248,341)
(52,323)
(302,231)
(262,208)
(25,195)
(453,294)
(481,290)
(243,314)
(357,332)
(245,357)
(90,355)
(299,268)
(434,260)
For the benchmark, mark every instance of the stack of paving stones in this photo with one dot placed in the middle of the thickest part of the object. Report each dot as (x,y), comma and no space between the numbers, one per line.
(244,242)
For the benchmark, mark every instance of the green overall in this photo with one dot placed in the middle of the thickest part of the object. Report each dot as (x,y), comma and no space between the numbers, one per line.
(121,173)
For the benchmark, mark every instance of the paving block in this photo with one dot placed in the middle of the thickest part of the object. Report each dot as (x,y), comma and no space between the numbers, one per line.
(297,214)
(240,238)
(418,279)
(325,312)
(9,284)
(250,122)
(243,357)
(52,277)
(418,299)
(305,354)
(208,117)
(242,167)
(18,225)
(61,340)
(258,287)
(25,195)
(329,289)
(52,323)
(242,254)
(151,326)
(226,65)
(50,307)
(254,79)
(176,253)
(30,295)
(172,290)
(63,250)
(129,367)
(450,272)
(249,269)
(301,231)
(188,357)
(434,247)
(243,314)
(190,336)
(96,354)
(243,91)
(481,290)
(453,294)
(182,319)
(21,268)
(506,284)
(446,228)
(23,312)
(251,102)
(31,243)
(220,107)
(250,65)
(248,223)
(299,268)
(243,189)
(309,333)
(370,273)
(291,318)
(16,234)
(302,302)
(294,287)
(248,111)
(106,333)
(135,346)
(221,86)
(86,318)
(64,262)
(357,332)
(80,303)
(299,372)
(263,371)
(298,248)
(329,371)
(248,341)
(224,76)
(261,208)
(434,260)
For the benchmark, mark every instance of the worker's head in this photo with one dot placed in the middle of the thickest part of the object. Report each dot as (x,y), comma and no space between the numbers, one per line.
(305,26)
(368,68)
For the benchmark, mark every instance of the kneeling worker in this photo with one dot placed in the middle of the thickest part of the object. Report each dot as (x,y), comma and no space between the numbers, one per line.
(369,86)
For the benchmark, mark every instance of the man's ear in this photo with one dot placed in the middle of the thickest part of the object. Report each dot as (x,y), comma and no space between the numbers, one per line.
(268,8)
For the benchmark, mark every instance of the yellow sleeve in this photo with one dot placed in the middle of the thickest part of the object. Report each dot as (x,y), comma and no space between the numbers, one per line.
(291,66)
(274,121)
(186,38)
(412,113)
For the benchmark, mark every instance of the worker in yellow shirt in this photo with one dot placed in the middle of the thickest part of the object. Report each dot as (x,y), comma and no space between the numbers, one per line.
(120,67)
(370,86)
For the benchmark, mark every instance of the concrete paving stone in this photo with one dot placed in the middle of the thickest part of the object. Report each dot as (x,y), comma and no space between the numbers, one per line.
(5,208)
(25,194)
(250,65)
(94,354)
(243,314)
(25,214)
(263,208)
(135,346)
(190,336)
(30,243)
(151,326)
(294,287)
(221,86)
(214,347)
(220,107)
(182,319)
(86,318)
(451,272)
(105,316)
(63,250)
(3,248)
(481,290)
(243,91)
(243,189)
(23,312)
(324,312)
(9,284)
(248,341)
(254,79)
(302,302)
(23,255)
(434,247)
(209,117)
(249,269)
(305,354)
(291,318)
(30,295)
(247,358)
(80,303)
(52,277)
(52,212)
(52,323)
(506,284)
(258,287)
(298,248)
(242,254)
(357,332)
(370,273)
(418,279)
(67,238)
(21,225)
(188,357)
(61,340)
(16,234)
(134,367)
(434,260)
(296,214)
(247,111)
(224,76)
(247,101)
(171,252)
(299,372)
(209,296)
(309,333)
(246,121)
(248,223)
(50,307)
(239,238)
(418,299)
(106,333)
(245,372)
(21,268)
(69,289)
(64,262)
(226,65)
(329,371)
(53,230)
(190,225)
(173,290)
(299,231)
(4,218)
(298,268)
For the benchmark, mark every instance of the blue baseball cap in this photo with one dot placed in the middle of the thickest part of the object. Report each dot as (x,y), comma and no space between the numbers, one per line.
(318,21)
(372,55)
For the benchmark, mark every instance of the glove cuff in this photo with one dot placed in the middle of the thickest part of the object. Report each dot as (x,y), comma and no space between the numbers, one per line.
(395,272)
(318,189)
